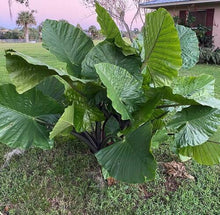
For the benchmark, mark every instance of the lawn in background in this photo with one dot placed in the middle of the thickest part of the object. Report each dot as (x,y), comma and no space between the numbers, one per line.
(67,179)
(32,49)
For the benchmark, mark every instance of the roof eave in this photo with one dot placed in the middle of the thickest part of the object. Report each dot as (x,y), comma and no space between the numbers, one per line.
(154,6)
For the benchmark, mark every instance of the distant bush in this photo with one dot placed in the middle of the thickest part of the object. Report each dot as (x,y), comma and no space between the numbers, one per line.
(208,55)
(11,34)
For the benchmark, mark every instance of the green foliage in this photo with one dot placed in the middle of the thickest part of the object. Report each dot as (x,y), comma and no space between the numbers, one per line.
(67,179)
(25,19)
(118,97)
(161,35)
(208,153)
(23,117)
(210,56)
(111,31)
(115,56)
(141,162)
(190,127)
(205,40)
(11,34)
(68,43)
(189,46)
(124,90)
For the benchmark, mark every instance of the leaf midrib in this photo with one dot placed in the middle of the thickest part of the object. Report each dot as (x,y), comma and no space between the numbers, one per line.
(155,41)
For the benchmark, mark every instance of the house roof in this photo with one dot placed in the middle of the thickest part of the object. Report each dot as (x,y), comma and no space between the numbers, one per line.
(166,3)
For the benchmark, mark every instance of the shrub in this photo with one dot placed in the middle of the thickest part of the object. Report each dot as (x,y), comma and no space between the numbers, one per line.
(118,99)
(210,56)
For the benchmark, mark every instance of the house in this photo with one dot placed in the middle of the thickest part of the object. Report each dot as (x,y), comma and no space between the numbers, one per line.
(206,13)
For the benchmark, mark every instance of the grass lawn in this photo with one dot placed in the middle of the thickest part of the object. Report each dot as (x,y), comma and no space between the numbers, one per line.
(67,179)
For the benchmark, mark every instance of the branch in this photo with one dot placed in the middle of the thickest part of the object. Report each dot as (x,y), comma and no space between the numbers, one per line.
(137,4)
(135,16)
(9,5)
(85,140)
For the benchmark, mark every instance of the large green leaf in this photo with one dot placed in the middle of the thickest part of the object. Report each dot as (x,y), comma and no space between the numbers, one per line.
(24,118)
(145,111)
(68,43)
(189,45)
(162,48)
(111,31)
(123,89)
(26,72)
(189,91)
(194,125)
(199,89)
(158,138)
(79,115)
(130,160)
(166,93)
(106,52)
(112,126)
(65,122)
(208,153)
(53,88)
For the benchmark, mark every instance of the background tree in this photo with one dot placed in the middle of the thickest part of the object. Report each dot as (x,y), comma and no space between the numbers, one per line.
(25,19)
(93,31)
(11,34)
(26,2)
(118,9)
(34,34)
(39,28)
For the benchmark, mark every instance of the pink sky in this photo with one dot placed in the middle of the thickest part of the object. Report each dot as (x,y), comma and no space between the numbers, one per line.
(71,10)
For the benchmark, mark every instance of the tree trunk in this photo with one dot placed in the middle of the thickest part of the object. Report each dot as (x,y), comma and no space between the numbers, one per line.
(128,30)
(122,20)
(26,33)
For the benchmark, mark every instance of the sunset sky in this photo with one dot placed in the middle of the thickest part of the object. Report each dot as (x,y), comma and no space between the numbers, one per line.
(71,10)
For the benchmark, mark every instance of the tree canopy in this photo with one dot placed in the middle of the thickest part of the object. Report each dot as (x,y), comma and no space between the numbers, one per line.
(25,19)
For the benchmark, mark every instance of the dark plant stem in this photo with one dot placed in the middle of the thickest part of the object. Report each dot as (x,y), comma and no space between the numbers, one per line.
(98,133)
(128,30)
(85,140)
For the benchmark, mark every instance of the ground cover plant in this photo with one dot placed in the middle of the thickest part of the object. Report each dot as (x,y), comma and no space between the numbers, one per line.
(119,99)
(67,180)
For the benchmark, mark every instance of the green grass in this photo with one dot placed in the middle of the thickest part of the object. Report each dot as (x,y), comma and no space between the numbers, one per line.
(34,50)
(67,179)
(213,70)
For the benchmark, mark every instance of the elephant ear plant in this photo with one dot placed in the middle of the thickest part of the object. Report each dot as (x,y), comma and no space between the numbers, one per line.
(120,99)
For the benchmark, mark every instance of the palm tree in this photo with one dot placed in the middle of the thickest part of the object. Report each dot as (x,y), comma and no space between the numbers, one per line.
(26,18)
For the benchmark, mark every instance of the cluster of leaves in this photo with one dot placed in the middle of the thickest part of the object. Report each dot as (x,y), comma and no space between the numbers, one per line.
(205,39)
(11,34)
(117,98)
(208,55)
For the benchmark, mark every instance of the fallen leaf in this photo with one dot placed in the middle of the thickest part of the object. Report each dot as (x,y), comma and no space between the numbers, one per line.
(177,169)
(111,181)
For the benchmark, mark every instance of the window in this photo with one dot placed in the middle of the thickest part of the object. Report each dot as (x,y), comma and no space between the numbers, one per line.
(198,18)
(195,18)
